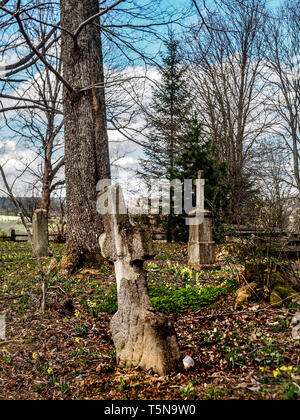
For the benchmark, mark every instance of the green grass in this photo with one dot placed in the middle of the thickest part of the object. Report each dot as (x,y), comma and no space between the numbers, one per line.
(170,291)
(7,223)
(11,222)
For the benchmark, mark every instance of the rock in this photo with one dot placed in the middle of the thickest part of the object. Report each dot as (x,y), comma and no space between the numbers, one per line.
(296,319)
(274,282)
(275,299)
(2,327)
(254,388)
(282,289)
(244,294)
(295,324)
(188,362)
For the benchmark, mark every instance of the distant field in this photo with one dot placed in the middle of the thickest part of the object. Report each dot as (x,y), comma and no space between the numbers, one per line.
(11,222)
(7,223)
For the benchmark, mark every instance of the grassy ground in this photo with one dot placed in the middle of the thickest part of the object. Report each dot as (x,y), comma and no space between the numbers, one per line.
(68,353)
(7,223)
(11,222)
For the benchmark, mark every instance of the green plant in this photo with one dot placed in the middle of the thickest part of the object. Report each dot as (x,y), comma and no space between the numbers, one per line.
(123,385)
(291,392)
(3,236)
(212,394)
(189,390)
(280,326)
(81,330)
(64,388)
(176,300)
(110,301)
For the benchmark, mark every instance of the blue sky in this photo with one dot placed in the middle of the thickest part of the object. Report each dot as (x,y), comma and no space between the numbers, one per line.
(154,47)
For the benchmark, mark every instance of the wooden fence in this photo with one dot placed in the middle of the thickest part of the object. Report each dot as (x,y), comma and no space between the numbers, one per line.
(23,237)
(284,242)
(279,241)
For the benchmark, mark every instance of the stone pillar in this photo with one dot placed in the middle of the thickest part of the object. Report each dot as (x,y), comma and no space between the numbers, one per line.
(40,232)
(143,337)
(201,247)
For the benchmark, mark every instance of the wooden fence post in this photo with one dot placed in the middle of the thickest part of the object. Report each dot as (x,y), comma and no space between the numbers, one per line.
(13,235)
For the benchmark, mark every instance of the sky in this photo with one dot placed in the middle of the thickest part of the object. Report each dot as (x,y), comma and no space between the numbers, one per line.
(155,46)
(129,153)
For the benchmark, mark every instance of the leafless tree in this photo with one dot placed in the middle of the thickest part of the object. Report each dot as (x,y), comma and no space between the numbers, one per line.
(270,166)
(80,28)
(41,132)
(283,76)
(226,58)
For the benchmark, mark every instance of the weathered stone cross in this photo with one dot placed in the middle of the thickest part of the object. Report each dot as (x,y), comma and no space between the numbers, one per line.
(201,248)
(143,337)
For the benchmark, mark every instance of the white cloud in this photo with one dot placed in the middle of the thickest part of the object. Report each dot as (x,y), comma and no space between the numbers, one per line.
(125,90)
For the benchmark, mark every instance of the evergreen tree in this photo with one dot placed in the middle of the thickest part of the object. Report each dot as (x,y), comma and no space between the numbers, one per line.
(167,116)
(198,153)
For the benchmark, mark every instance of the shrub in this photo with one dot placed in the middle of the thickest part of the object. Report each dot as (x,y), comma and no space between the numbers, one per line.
(3,236)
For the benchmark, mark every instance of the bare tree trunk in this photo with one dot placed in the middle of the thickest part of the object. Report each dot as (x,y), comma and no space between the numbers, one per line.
(86,142)
(296,148)
(46,193)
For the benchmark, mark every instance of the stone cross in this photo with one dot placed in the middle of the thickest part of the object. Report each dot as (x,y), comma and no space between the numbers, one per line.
(143,337)
(40,232)
(201,247)
(199,204)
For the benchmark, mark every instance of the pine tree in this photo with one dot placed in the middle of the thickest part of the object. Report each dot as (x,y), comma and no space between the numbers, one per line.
(198,153)
(167,116)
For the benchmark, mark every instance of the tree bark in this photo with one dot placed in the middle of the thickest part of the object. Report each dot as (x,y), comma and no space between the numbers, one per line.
(46,192)
(86,142)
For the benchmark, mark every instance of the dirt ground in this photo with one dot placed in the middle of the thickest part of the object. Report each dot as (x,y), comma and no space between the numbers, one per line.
(68,352)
